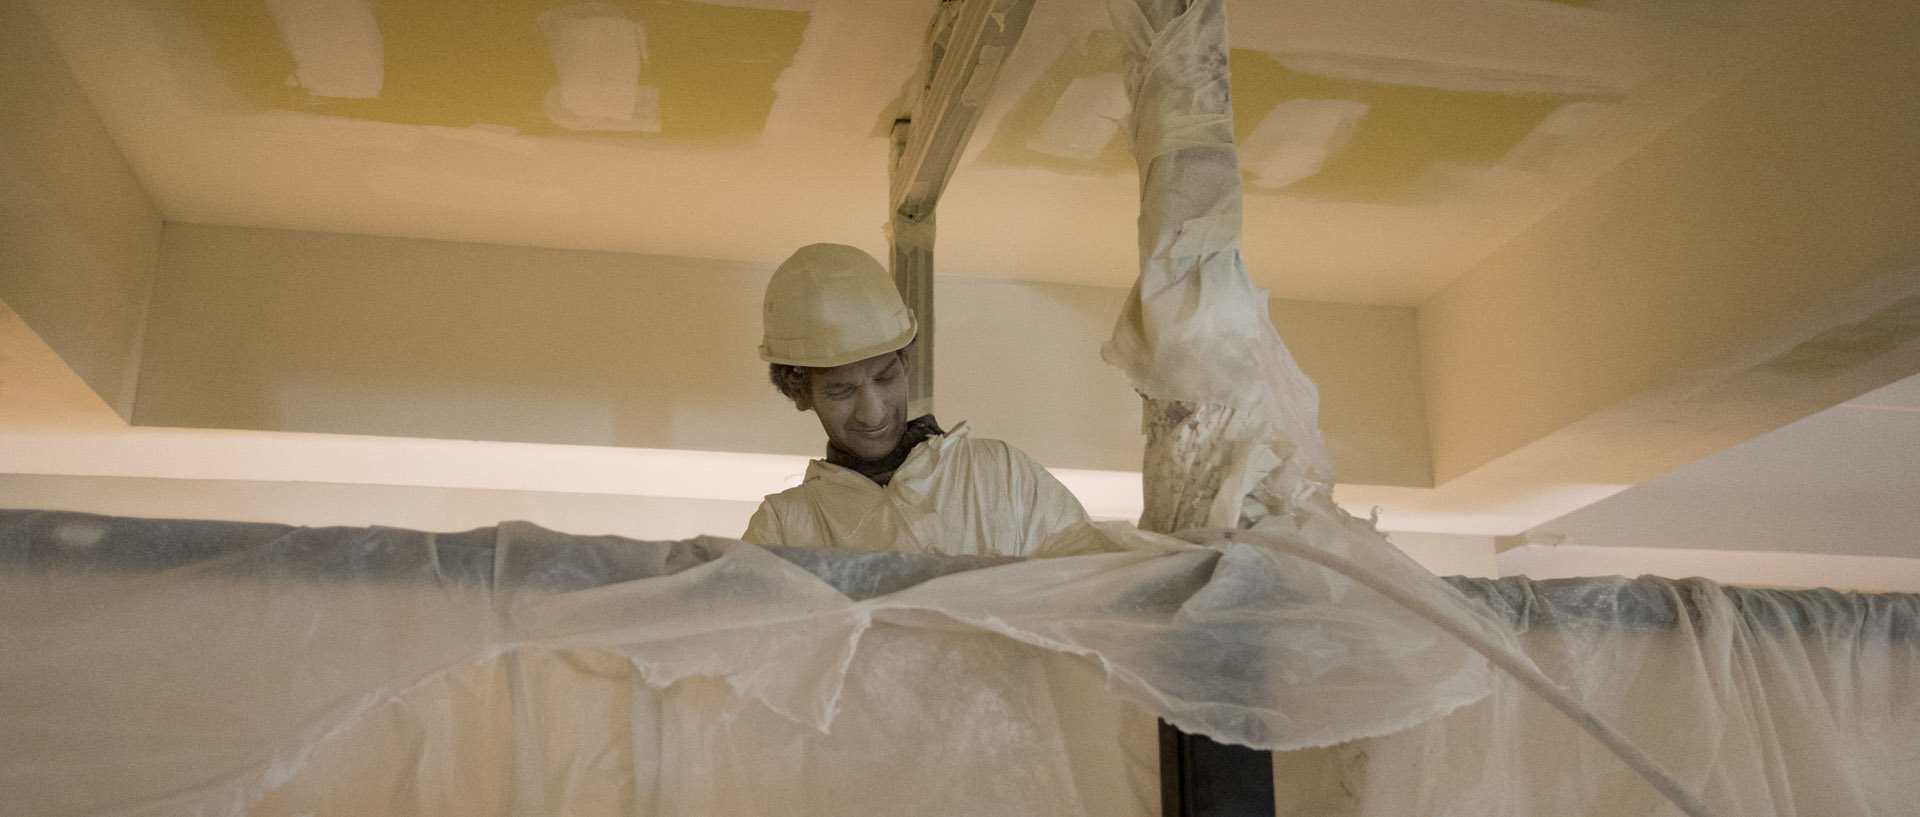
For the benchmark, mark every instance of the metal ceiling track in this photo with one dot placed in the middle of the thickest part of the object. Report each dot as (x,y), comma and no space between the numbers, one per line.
(966,46)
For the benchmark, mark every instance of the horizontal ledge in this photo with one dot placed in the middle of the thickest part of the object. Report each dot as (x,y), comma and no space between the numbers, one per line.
(1881,574)
(272,456)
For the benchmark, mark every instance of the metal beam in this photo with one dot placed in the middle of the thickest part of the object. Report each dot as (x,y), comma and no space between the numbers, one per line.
(910,247)
(1202,778)
(966,45)
(971,39)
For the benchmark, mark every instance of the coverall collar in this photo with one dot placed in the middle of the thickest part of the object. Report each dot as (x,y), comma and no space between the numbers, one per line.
(910,476)
(881,470)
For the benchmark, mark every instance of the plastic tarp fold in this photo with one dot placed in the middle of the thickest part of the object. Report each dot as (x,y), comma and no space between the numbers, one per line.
(1770,703)
(172,667)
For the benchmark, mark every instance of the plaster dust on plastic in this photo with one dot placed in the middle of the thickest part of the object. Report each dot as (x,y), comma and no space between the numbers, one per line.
(163,667)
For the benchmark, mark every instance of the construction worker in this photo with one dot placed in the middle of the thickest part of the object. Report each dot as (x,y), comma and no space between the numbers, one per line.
(835,341)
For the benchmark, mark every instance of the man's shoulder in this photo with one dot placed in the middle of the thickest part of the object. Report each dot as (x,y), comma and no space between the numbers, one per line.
(961,436)
(783,517)
(818,473)
(973,457)
(820,476)
(992,448)
(785,496)
(957,447)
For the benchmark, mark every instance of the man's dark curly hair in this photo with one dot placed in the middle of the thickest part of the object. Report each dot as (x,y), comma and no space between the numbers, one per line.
(792,381)
(797,381)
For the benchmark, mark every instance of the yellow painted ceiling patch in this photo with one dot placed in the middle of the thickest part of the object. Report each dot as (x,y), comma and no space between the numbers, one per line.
(1405,133)
(464,64)
(1383,157)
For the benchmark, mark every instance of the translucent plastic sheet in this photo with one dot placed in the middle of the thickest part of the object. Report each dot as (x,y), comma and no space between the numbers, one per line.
(1770,703)
(169,667)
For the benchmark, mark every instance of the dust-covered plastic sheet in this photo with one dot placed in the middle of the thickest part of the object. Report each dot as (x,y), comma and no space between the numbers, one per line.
(1770,703)
(175,667)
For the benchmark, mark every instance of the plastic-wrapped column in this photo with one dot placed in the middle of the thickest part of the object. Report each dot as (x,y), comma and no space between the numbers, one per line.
(1231,421)
(1228,409)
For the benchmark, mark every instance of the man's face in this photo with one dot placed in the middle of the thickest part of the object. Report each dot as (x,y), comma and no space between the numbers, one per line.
(863,405)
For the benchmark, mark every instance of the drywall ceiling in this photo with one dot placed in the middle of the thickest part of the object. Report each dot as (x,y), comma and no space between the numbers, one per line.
(1388,144)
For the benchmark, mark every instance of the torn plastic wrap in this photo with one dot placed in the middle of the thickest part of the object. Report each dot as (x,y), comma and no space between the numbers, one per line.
(1195,329)
(168,667)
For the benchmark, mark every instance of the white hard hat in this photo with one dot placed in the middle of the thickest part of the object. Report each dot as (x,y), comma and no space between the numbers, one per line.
(830,305)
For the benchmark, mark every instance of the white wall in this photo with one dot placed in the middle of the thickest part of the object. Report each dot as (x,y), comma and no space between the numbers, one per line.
(78,235)
(414,507)
(299,331)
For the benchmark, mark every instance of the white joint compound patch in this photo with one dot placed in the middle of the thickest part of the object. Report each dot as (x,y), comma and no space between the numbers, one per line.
(1085,119)
(597,53)
(1295,140)
(1556,135)
(336,45)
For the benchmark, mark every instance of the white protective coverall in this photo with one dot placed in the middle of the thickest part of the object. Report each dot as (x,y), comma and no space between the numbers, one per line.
(955,494)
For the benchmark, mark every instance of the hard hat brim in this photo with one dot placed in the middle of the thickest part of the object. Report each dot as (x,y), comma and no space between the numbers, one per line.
(849,356)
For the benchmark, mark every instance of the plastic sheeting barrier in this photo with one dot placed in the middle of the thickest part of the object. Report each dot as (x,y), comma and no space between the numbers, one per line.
(169,667)
(1771,703)
(172,667)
